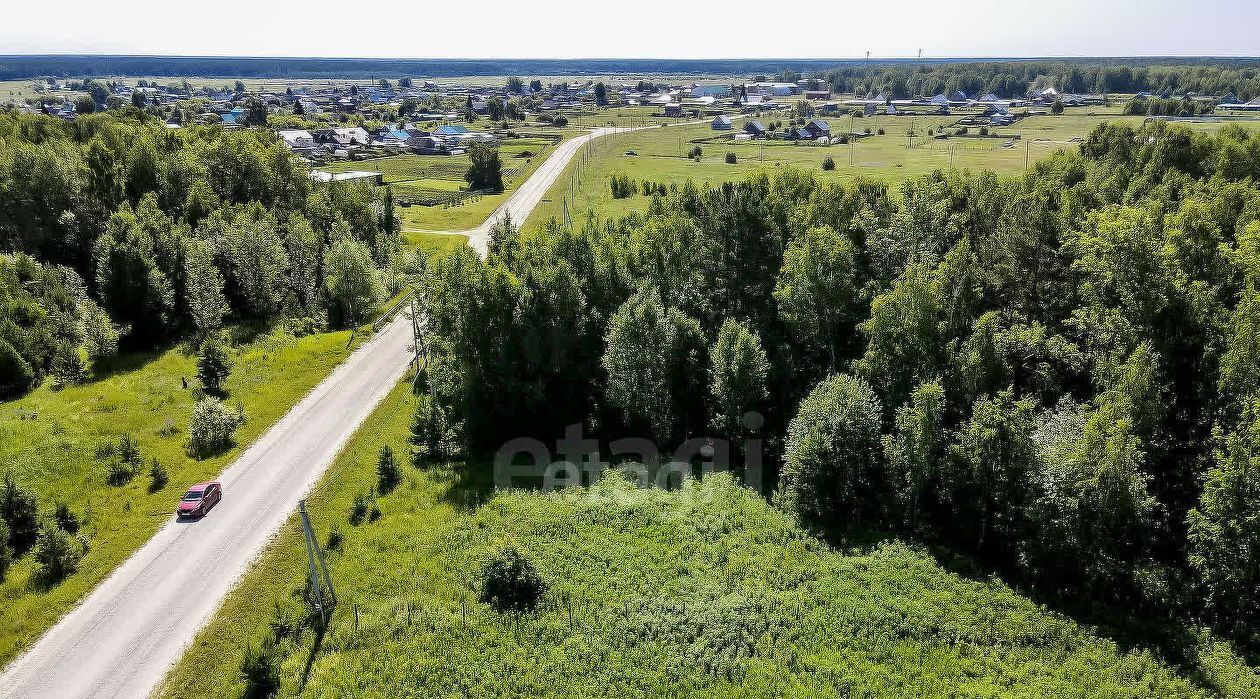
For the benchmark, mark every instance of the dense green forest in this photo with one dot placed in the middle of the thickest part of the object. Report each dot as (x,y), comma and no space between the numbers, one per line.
(116,231)
(1055,375)
(119,236)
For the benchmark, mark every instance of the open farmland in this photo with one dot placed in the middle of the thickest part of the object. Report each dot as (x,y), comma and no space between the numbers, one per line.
(660,156)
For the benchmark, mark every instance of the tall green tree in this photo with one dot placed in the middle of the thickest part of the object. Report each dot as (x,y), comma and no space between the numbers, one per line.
(994,466)
(819,290)
(134,288)
(916,451)
(203,287)
(352,281)
(1224,533)
(653,359)
(833,473)
(905,342)
(737,378)
(486,168)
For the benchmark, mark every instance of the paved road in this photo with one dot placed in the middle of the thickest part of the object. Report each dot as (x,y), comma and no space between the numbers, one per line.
(122,638)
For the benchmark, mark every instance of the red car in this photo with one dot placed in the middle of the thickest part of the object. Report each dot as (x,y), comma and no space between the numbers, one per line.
(199,499)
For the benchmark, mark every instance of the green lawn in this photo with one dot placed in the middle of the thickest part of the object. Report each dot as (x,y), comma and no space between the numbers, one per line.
(48,440)
(707,591)
(660,155)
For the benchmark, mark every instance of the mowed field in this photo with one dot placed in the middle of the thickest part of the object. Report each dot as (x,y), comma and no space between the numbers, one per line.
(705,591)
(660,155)
(49,439)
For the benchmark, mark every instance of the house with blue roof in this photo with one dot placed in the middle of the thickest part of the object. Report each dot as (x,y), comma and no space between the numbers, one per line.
(450,130)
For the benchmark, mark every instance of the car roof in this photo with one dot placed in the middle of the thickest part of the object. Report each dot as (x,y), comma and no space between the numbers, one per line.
(202,486)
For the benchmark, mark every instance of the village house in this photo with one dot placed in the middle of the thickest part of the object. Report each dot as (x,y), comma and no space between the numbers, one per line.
(818,129)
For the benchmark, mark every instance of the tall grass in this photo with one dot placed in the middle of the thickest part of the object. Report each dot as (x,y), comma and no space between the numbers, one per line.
(703,591)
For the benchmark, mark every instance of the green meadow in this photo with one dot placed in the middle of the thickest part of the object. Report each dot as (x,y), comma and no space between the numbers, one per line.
(660,155)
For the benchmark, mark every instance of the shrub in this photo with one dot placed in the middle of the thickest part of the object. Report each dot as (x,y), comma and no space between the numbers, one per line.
(158,477)
(336,540)
(212,427)
(120,473)
(510,583)
(213,366)
(622,186)
(260,669)
(360,507)
(984,131)
(19,509)
(695,152)
(731,159)
(880,132)
(388,475)
(122,461)
(68,367)
(16,375)
(57,553)
(432,438)
(828,164)
(66,519)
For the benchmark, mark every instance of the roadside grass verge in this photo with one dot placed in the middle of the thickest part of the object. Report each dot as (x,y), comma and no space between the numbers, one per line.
(48,441)
(703,591)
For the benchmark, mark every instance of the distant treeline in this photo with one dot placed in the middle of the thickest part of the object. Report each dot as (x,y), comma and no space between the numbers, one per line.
(1208,76)
(899,77)
(19,67)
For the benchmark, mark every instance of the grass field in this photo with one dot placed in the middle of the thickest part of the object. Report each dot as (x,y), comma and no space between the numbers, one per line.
(706,591)
(434,242)
(48,440)
(421,176)
(660,155)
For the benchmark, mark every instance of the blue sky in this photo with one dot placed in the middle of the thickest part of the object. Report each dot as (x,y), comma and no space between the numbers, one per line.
(636,29)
